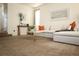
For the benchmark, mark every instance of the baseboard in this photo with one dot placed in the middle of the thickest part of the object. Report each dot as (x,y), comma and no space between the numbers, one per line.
(5,34)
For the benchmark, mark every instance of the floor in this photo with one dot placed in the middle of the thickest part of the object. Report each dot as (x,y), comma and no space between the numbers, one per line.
(25,46)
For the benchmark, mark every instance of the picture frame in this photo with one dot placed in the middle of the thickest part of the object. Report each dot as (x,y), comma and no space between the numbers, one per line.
(59,14)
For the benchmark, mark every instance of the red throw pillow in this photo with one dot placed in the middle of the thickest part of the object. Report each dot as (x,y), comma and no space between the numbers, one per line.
(73,25)
(41,27)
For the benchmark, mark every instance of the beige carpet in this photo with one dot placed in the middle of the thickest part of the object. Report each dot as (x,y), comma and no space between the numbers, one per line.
(25,46)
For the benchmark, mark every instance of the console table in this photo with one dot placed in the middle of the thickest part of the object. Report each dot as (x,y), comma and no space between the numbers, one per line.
(19,26)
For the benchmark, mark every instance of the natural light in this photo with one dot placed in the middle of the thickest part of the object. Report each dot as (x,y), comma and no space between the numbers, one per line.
(37,17)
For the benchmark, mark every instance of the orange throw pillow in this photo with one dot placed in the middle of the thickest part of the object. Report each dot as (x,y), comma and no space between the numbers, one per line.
(73,25)
(41,27)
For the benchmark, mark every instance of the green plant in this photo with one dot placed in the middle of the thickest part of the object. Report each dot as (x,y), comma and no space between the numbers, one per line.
(31,27)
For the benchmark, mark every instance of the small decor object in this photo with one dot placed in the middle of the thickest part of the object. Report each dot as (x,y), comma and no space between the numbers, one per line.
(27,25)
(21,17)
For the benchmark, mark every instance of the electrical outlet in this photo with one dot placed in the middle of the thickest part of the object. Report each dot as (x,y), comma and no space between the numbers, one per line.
(14,30)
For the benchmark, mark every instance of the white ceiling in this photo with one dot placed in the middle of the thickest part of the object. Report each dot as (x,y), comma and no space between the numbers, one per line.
(30,4)
(33,4)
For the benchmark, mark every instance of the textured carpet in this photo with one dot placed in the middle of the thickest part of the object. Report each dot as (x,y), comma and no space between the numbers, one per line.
(25,46)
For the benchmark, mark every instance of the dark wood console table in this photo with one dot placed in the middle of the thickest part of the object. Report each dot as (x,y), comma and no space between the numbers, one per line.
(19,26)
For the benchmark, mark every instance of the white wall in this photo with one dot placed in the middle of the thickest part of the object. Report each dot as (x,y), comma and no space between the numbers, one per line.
(14,9)
(73,10)
(13,19)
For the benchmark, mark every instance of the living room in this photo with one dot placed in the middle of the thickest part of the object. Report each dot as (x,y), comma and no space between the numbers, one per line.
(45,15)
(56,29)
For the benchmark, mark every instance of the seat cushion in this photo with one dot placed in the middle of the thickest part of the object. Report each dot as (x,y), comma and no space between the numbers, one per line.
(68,33)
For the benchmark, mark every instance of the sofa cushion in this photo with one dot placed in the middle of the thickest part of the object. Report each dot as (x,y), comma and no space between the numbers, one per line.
(59,25)
(72,25)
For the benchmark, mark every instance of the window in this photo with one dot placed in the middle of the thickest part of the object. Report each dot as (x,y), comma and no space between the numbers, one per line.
(37,17)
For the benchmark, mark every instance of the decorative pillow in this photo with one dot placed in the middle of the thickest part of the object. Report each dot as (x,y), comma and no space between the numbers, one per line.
(41,27)
(72,25)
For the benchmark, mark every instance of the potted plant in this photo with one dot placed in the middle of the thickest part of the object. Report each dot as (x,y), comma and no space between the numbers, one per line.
(31,28)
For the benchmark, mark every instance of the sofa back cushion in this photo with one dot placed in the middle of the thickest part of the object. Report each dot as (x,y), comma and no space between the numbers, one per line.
(59,25)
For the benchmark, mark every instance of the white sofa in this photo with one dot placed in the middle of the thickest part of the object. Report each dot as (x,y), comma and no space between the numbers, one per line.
(51,28)
(71,37)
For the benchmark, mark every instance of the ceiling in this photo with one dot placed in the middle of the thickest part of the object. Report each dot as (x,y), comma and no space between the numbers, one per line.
(30,4)
(33,4)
